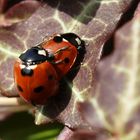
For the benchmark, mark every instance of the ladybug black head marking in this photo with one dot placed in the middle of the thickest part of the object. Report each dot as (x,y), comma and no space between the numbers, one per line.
(34,55)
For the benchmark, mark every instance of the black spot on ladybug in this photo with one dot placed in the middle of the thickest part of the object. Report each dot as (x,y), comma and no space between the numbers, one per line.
(27,72)
(38,89)
(50,77)
(58,39)
(19,88)
(66,60)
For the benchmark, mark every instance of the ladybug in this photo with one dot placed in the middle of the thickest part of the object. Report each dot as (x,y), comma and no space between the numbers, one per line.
(38,70)
(35,78)
(65,48)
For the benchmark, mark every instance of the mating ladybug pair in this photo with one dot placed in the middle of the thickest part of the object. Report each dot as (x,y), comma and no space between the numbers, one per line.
(38,70)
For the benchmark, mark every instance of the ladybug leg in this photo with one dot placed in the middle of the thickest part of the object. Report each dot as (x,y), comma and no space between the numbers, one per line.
(62,49)
(59,51)
(79,48)
(58,62)
(9,95)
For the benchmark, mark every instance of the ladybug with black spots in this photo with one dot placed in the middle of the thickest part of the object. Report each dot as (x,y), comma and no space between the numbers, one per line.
(65,49)
(35,78)
(38,70)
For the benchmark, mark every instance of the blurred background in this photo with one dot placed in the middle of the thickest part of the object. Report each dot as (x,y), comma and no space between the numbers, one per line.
(21,126)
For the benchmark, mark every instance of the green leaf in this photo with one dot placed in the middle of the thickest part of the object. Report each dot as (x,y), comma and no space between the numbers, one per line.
(21,126)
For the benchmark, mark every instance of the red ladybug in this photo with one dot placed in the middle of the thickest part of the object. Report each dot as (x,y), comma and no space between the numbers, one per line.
(35,78)
(65,48)
(38,70)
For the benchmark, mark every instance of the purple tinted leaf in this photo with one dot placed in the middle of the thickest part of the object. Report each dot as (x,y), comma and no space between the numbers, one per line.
(117,100)
(90,135)
(90,115)
(83,135)
(65,134)
(93,21)
(18,12)
(95,29)
(22,10)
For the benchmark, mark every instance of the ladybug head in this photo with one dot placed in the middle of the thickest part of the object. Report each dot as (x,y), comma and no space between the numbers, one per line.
(34,55)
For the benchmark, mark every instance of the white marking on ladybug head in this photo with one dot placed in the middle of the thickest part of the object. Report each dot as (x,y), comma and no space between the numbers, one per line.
(42,52)
(78,40)
(65,40)
(31,67)
(22,66)
(57,35)
(29,60)
(24,51)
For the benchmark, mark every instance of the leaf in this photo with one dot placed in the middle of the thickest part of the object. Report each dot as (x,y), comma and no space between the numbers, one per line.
(117,99)
(102,24)
(93,21)
(17,12)
(10,106)
(89,135)
(65,134)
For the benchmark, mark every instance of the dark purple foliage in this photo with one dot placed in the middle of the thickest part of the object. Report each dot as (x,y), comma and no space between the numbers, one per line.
(95,22)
